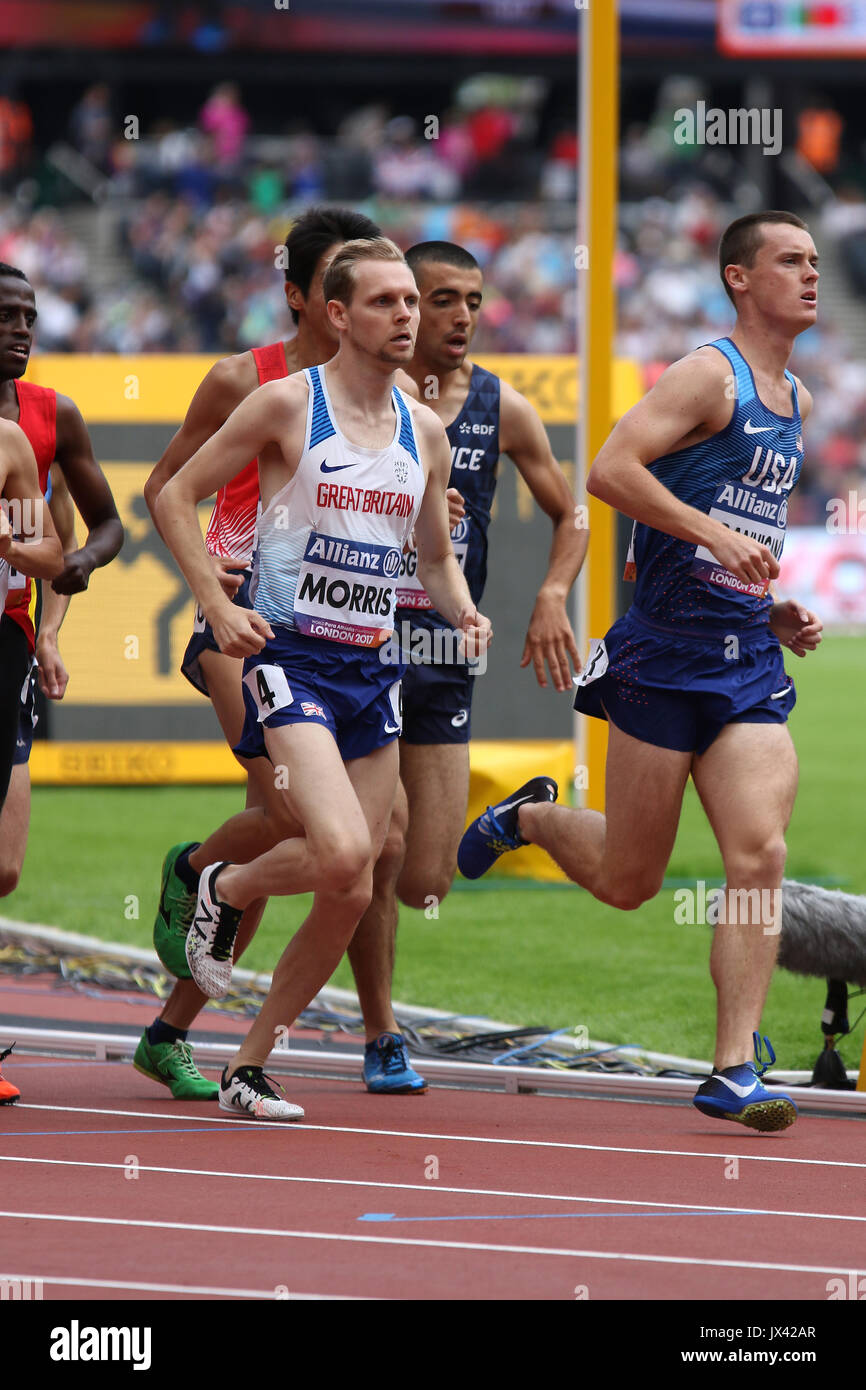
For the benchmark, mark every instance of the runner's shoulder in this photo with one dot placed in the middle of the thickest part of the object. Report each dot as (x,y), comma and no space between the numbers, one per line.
(804,399)
(235,375)
(706,366)
(426,422)
(407,385)
(700,385)
(12,438)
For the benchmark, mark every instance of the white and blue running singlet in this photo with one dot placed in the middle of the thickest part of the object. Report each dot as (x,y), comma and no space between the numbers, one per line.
(743,477)
(331,541)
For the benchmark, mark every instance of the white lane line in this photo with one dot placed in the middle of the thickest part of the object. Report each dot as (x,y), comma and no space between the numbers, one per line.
(416,1243)
(428,1187)
(303,1128)
(59,1281)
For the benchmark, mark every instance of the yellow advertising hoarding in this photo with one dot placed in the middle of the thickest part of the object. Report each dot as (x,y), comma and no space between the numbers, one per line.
(123,640)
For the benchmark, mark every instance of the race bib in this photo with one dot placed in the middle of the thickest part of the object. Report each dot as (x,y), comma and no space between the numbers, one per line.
(596,663)
(269,688)
(346,590)
(757,512)
(410,591)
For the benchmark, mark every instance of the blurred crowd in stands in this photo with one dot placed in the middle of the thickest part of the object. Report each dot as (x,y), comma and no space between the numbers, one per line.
(199,214)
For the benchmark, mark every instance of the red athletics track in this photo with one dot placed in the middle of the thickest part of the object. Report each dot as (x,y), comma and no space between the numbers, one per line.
(535,1197)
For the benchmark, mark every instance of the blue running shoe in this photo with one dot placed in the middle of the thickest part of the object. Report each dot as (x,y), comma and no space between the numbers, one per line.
(387,1069)
(496,831)
(737,1093)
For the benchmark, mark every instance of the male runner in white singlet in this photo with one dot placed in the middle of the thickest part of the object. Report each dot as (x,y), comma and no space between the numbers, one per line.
(348,467)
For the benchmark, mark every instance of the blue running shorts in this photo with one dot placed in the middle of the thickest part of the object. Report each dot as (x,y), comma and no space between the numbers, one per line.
(203,640)
(28,718)
(296,679)
(437,703)
(678,688)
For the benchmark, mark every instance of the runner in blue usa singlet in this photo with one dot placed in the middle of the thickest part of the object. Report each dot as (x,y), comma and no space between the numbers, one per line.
(695,651)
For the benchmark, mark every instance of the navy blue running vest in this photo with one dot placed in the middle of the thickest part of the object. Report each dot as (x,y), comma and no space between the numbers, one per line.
(742,476)
(474,440)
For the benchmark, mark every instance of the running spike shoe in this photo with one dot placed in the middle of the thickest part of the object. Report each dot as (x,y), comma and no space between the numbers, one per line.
(737,1093)
(171,1065)
(174,915)
(496,831)
(9,1094)
(387,1069)
(211,939)
(249,1091)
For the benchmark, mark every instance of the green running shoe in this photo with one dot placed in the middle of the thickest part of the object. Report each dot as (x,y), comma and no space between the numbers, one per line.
(174,915)
(171,1065)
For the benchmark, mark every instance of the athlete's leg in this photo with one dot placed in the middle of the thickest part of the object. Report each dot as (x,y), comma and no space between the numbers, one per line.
(747,781)
(620,857)
(371,950)
(345,810)
(14,828)
(436,778)
(239,839)
(415,866)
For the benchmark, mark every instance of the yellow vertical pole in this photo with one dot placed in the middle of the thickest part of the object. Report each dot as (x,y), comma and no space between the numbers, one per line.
(594,260)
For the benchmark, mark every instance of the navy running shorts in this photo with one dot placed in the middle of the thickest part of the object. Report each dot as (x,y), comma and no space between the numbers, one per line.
(437,703)
(15,661)
(203,640)
(28,718)
(296,679)
(679,688)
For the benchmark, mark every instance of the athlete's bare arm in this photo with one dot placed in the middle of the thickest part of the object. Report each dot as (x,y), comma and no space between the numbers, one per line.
(92,497)
(549,636)
(19,486)
(438,568)
(228,382)
(269,424)
(52,673)
(691,401)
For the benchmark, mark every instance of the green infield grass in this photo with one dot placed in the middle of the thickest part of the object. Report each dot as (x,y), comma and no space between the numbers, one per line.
(524,954)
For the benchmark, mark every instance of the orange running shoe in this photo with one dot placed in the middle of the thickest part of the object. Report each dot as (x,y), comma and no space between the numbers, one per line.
(8,1093)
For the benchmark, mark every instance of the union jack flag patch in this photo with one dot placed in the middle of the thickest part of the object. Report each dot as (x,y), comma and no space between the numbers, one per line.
(309,708)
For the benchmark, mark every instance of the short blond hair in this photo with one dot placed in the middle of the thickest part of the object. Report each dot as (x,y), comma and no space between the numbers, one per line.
(339,280)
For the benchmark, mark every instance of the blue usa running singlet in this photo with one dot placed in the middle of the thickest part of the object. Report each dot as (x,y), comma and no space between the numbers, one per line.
(741,476)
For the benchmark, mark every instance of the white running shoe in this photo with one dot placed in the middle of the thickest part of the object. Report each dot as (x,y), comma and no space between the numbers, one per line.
(211,937)
(250,1092)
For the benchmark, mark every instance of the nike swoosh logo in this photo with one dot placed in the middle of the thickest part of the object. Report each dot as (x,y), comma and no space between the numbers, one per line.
(779,693)
(757,429)
(521,801)
(392,729)
(335,467)
(741,1091)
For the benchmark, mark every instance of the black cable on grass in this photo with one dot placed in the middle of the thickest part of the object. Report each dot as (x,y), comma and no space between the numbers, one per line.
(92,974)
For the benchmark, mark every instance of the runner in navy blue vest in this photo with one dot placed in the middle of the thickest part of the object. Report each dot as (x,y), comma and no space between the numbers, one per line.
(484,418)
(692,679)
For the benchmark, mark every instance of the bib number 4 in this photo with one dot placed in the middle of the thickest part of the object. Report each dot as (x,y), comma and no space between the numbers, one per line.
(269,688)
